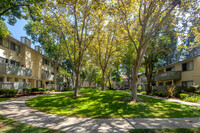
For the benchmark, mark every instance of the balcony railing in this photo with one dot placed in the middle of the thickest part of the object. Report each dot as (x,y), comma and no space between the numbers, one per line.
(15,85)
(163,88)
(144,79)
(10,69)
(47,76)
(170,75)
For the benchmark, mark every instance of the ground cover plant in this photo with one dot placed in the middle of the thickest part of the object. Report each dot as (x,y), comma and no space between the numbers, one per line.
(110,104)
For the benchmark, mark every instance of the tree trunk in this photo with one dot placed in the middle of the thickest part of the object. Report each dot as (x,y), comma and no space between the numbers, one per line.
(54,78)
(134,84)
(110,86)
(103,80)
(90,79)
(148,90)
(77,84)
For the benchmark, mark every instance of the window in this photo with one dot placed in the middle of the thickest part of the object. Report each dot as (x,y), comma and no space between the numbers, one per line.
(12,62)
(188,66)
(187,84)
(16,79)
(17,48)
(1,41)
(8,79)
(170,69)
(45,61)
(13,46)
(1,79)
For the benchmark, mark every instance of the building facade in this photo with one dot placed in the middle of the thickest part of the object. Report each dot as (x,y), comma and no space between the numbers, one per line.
(21,66)
(182,74)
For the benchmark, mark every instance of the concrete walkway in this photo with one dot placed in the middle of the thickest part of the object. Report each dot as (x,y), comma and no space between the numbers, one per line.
(16,109)
(171,100)
(174,100)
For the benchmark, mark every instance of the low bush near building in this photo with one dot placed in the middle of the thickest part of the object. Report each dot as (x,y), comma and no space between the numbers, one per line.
(143,92)
(139,88)
(170,91)
(183,96)
(8,92)
(26,90)
(192,99)
(160,94)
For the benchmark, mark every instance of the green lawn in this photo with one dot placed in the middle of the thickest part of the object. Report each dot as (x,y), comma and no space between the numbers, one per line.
(177,130)
(4,99)
(11,126)
(110,104)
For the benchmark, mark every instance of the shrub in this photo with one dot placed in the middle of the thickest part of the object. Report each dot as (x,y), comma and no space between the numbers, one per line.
(192,99)
(52,90)
(34,90)
(41,90)
(143,92)
(8,92)
(151,94)
(190,89)
(26,90)
(183,96)
(170,91)
(110,88)
(160,93)
(47,91)
(139,88)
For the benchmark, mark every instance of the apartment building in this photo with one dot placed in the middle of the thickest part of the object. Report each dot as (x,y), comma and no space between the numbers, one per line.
(21,66)
(183,74)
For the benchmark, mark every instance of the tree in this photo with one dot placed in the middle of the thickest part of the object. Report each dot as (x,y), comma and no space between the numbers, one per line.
(77,22)
(141,26)
(51,43)
(107,47)
(13,9)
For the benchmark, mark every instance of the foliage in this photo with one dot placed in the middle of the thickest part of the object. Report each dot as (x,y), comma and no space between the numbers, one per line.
(4,99)
(3,29)
(139,88)
(26,90)
(12,126)
(8,92)
(143,92)
(160,94)
(191,99)
(170,91)
(95,103)
(183,96)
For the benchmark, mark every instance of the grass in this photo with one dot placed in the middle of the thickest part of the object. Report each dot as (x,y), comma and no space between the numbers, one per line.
(11,126)
(110,104)
(177,130)
(4,99)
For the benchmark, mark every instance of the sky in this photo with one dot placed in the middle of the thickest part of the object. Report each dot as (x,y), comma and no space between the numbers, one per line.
(17,30)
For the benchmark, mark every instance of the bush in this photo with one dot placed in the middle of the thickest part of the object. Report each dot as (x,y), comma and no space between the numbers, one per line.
(143,92)
(183,96)
(52,90)
(192,99)
(26,90)
(8,92)
(139,88)
(151,94)
(110,88)
(47,91)
(33,90)
(170,91)
(41,90)
(190,89)
(160,93)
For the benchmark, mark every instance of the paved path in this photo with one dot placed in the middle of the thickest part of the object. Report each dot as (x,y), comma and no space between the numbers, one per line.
(171,100)
(16,109)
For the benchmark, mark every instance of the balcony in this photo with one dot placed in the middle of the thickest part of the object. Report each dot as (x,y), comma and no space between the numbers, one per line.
(47,76)
(15,70)
(170,75)
(144,79)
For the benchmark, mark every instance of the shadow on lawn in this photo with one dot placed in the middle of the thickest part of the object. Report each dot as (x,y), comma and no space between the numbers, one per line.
(106,104)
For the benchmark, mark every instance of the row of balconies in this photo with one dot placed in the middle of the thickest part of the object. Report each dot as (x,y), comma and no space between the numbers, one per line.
(170,75)
(10,69)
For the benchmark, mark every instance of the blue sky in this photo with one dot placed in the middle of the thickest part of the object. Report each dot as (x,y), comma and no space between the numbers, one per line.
(17,30)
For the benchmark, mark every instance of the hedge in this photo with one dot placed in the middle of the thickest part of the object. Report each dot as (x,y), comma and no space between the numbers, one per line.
(8,92)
